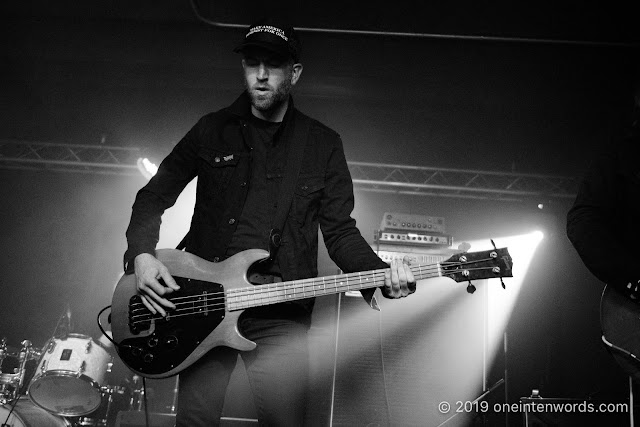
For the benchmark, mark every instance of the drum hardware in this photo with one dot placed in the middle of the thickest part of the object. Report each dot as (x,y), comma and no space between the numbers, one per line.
(51,346)
(136,403)
(9,388)
(11,383)
(25,353)
(114,400)
(3,349)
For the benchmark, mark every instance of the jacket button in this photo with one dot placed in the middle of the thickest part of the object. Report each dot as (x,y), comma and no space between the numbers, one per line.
(232,221)
(244,184)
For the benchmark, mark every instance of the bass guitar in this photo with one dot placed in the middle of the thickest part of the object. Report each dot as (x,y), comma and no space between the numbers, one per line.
(620,322)
(213,295)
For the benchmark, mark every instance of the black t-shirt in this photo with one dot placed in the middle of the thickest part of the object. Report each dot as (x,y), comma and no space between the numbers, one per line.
(268,159)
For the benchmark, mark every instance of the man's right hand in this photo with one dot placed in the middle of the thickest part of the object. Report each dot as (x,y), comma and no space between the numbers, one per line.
(149,270)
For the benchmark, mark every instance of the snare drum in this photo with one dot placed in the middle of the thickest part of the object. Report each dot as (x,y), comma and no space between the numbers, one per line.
(26,414)
(69,375)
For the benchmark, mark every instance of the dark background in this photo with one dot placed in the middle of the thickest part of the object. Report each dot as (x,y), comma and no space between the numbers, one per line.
(532,88)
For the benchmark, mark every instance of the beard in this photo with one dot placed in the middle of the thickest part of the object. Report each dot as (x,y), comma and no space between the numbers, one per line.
(268,101)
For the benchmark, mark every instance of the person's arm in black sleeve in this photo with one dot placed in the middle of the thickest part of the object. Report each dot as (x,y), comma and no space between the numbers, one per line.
(343,240)
(593,223)
(160,193)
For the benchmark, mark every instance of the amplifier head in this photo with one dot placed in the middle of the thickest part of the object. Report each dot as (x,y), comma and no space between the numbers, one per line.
(413,223)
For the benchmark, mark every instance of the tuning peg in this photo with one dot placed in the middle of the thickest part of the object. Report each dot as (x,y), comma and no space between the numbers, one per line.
(495,248)
(471,288)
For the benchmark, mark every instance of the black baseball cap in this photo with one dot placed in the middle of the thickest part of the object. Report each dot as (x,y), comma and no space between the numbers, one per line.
(273,35)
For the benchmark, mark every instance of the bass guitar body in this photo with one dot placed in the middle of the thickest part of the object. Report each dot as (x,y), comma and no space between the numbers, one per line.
(158,348)
(620,323)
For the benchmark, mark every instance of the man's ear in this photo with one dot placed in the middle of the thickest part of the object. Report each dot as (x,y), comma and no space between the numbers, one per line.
(296,72)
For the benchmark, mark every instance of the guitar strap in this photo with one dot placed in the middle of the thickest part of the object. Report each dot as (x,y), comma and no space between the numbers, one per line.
(296,133)
(183,242)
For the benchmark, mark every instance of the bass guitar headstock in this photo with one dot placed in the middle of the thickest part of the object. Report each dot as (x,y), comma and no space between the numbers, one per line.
(468,266)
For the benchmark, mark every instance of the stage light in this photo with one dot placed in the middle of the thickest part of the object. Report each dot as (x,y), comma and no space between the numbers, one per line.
(537,236)
(500,302)
(147,168)
(540,206)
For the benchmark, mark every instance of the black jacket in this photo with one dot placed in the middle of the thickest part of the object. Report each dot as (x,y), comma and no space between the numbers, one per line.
(217,150)
(604,222)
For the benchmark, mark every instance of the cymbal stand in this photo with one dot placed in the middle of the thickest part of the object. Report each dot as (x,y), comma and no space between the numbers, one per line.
(3,350)
(136,402)
(25,355)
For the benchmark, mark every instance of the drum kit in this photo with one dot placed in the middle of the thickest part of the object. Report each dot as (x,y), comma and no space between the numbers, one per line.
(62,384)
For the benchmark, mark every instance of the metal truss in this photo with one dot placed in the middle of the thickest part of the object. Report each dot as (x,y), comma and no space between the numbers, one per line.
(401,179)
(460,183)
(15,154)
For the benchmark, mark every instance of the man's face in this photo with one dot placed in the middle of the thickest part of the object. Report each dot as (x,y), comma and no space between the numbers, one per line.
(268,78)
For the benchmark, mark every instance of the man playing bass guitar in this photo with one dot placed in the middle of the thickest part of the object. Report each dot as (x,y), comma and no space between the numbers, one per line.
(268,178)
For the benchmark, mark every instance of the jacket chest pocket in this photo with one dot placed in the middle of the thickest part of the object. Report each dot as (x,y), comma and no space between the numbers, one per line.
(306,199)
(216,169)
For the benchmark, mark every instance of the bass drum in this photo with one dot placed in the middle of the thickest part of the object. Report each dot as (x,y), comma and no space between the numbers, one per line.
(69,375)
(26,414)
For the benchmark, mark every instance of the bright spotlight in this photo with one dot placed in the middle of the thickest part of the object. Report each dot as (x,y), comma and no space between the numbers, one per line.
(146,167)
(500,302)
(540,206)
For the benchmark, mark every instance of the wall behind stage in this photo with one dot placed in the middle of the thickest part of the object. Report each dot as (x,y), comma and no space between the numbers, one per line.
(63,236)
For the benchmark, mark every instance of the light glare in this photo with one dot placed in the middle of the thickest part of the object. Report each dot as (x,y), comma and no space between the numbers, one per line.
(147,168)
(537,236)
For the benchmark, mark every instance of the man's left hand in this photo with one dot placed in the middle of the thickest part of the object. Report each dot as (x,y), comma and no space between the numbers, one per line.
(398,280)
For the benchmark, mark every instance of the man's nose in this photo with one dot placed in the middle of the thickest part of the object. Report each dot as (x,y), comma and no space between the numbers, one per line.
(263,72)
